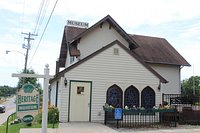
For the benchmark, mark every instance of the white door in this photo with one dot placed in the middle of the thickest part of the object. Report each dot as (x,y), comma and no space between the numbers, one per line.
(80,101)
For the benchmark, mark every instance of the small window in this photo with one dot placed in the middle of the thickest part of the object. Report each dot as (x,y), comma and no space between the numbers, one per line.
(80,90)
(116,51)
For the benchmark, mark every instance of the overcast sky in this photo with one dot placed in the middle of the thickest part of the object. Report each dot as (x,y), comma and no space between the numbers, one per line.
(176,20)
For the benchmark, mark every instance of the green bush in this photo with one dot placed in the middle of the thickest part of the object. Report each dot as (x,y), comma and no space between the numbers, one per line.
(53,116)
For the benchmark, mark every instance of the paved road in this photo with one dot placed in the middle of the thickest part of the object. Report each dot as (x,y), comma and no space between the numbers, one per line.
(10,108)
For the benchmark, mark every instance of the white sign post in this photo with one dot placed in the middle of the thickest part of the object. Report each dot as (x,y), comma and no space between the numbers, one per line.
(46,77)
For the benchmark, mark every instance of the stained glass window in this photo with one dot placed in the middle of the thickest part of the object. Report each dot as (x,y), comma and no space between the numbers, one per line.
(114,96)
(148,97)
(131,97)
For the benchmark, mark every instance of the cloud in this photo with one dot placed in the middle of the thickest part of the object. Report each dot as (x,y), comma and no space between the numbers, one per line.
(20,6)
(192,30)
(129,12)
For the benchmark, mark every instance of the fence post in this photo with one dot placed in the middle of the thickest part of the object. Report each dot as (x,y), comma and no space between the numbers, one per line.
(105,118)
(7,121)
(176,117)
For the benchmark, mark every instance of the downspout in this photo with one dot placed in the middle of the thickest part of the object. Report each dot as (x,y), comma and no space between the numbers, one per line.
(180,91)
(56,100)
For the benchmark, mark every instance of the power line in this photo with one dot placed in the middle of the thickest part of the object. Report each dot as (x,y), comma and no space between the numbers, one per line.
(44,31)
(41,14)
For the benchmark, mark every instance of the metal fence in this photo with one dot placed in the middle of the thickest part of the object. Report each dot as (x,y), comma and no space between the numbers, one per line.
(148,118)
(180,101)
(188,107)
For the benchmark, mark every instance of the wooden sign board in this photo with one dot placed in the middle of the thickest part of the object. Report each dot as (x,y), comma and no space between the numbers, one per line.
(27,103)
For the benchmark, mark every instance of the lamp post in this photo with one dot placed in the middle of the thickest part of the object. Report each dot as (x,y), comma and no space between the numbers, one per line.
(26,57)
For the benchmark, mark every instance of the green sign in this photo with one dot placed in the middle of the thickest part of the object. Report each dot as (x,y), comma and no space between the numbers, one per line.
(27,103)
(27,107)
(28,88)
(27,119)
(27,98)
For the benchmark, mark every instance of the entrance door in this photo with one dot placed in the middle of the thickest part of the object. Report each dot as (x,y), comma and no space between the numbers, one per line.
(80,101)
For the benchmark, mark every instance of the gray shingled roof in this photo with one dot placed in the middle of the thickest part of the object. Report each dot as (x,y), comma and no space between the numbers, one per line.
(157,50)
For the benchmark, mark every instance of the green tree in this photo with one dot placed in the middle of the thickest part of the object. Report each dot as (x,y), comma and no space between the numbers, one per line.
(190,85)
(33,81)
(7,90)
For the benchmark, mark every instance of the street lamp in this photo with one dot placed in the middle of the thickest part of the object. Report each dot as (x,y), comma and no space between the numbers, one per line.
(25,64)
(7,51)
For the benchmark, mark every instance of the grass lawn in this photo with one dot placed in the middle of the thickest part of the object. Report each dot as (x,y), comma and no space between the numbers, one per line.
(16,127)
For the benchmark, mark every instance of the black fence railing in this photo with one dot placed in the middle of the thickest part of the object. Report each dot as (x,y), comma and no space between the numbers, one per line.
(180,101)
(138,118)
(188,107)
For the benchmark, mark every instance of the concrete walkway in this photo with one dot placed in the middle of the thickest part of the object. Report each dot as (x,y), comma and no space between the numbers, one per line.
(100,128)
(36,130)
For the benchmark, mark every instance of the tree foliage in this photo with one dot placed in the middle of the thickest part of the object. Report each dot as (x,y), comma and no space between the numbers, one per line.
(191,85)
(7,90)
(33,81)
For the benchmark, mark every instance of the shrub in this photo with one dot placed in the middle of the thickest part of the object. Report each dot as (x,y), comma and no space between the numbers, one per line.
(53,115)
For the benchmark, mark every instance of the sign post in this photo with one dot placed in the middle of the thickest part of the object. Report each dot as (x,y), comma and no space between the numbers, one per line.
(46,78)
(45,100)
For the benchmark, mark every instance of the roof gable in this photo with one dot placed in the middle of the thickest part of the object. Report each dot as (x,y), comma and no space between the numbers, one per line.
(61,74)
(111,21)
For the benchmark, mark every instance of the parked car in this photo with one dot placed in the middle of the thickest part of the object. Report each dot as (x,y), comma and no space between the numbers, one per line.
(2,109)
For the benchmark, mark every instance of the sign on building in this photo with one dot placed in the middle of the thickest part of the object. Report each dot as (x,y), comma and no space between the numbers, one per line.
(77,24)
(27,103)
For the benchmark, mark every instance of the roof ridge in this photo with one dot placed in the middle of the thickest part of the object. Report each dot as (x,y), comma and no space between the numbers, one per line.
(147,36)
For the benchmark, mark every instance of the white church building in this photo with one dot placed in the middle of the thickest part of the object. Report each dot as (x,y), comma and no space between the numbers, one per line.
(104,64)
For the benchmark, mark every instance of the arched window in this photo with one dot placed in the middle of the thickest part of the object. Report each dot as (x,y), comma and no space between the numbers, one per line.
(114,96)
(131,97)
(148,98)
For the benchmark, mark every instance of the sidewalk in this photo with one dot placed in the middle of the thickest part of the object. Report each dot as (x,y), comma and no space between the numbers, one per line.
(76,127)
(37,130)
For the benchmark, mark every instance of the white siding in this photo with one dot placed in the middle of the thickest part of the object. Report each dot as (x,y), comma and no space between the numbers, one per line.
(98,38)
(60,85)
(172,74)
(53,94)
(63,101)
(104,70)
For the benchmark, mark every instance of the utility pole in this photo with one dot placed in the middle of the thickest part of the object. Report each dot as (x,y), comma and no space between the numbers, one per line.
(27,47)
